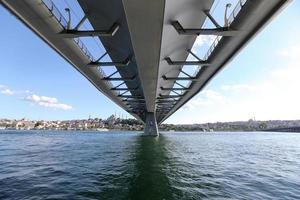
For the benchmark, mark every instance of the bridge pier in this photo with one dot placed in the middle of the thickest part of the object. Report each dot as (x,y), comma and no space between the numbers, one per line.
(151,125)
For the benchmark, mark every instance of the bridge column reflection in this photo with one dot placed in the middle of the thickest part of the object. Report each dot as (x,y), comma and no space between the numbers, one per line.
(152,162)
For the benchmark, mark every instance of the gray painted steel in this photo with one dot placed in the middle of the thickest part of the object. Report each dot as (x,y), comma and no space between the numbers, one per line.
(151,124)
(254,15)
(149,52)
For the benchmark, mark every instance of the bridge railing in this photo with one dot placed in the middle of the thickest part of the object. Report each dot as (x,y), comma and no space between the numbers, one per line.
(231,18)
(61,19)
(63,22)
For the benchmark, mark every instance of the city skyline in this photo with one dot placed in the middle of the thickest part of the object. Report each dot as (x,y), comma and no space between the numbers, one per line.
(260,82)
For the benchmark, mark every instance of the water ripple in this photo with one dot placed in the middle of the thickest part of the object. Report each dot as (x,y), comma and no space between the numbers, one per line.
(86,165)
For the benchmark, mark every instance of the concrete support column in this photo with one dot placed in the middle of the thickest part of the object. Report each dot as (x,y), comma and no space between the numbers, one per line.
(151,125)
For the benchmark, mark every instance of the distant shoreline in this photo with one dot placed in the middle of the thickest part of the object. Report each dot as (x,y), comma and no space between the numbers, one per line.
(117,124)
(162,131)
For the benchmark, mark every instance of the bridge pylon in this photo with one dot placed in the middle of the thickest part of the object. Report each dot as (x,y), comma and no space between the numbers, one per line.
(151,128)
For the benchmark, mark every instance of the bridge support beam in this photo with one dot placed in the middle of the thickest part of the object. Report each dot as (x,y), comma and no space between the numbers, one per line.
(151,128)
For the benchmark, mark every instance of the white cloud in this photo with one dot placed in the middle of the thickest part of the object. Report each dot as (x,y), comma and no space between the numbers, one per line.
(274,96)
(49,102)
(213,95)
(291,52)
(7,92)
(237,87)
(205,98)
(44,101)
(201,46)
(204,40)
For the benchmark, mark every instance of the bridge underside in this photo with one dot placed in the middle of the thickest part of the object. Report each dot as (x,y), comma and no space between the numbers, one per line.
(148,43)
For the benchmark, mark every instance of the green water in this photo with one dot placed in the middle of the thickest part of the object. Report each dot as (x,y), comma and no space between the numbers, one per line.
(118,165)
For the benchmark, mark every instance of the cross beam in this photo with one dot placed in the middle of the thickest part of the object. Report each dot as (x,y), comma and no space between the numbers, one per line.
(123,89)
(166,101)
(136,103)
(166,104)
(73,33)
(179,78)
(119,64)
(169,96)
(164,111)
(131,96)
(118,78)
(134,100)
(199,62)
(221,31)
(172,89)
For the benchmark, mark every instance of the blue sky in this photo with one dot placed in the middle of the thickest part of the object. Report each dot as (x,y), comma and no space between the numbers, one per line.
(261,82)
